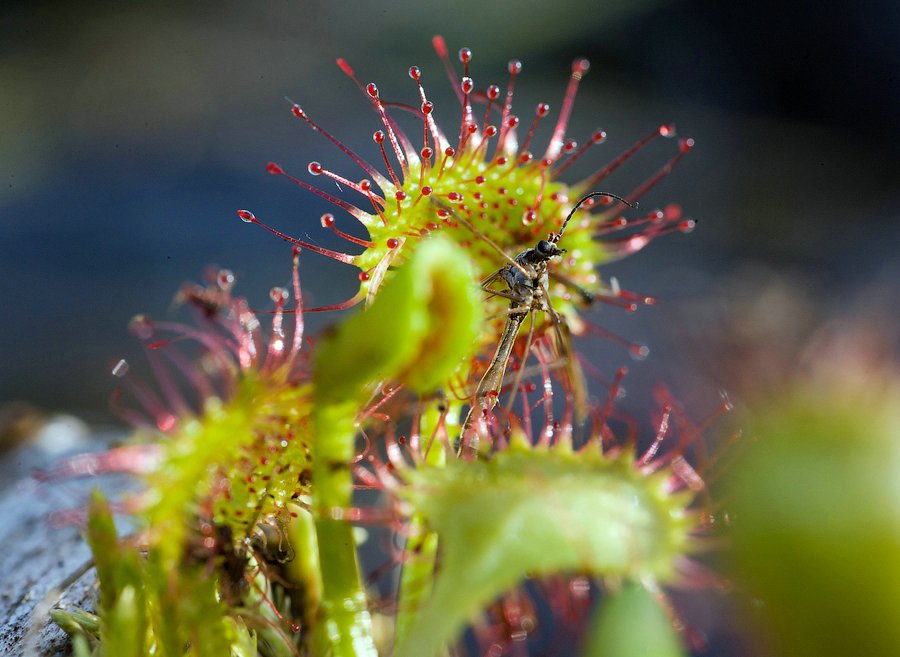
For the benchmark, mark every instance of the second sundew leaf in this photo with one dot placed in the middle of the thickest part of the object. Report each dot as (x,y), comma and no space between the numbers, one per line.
(418,331)
(422,325)
(533,512)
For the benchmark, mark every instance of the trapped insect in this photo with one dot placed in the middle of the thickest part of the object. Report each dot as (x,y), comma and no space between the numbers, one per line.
(525,277)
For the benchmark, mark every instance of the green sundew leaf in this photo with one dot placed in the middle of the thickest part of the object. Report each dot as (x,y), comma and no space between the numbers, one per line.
(104,543)
(534,512)
(423,322)
(816,502)
(124,629)
(632,624)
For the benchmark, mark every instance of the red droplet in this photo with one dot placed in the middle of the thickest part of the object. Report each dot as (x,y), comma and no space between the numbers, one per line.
(365,184)
(363,276)
(344,66)
(687,225)
(598,136)
(314,168)
(472,128)
(426,153)
(542,109)
(427,107)
(581,66)
(528,217)
(570,146)
(514,67)
(393,243)
(493,92)
(467,85)
(479,180)
(327,220)
(465,55)
(685,145)
(247,216)
(501,160)
(414,73)
(273,168)
(667,130)
(372,90)
(449,152)
(378,136)
(530,386)
(490,131)
(672,212)
(400,195)
(525,157)
(295,628)
(454,197)
(426,190)
(297,111)
(512,121)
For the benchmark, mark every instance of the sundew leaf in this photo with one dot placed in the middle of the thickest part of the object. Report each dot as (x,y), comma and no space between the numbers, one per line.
(422,324)
(631,623)
(419,329)
(539,511)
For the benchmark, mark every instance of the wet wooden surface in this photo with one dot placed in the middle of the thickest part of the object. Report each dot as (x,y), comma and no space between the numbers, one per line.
(43,558)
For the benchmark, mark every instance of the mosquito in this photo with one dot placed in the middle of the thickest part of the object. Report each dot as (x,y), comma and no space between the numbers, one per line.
(526,279)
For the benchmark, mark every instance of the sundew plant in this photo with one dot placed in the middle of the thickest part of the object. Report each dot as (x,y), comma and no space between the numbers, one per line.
(444,430)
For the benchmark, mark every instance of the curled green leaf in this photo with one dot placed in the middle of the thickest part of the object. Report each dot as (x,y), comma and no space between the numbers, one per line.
(534,512)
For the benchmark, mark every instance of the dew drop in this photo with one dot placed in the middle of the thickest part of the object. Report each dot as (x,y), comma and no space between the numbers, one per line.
(528,217)
(426,190)
(512,121)
(598,136)
(327,220)
(514,67)
(415,73)
(372,90)
(570,146)
(400,195)
(465,55)
(467,85)
(542,109)
(685,145)
(297,111)
(667,130)
(687,225)
(393,243)
(449,152)
(639,351)
(427,107)
(365,184)
(247,216)
(274,169)
(363,276)
(454,197)
(426,153)
(493,92)
(314,168)
(378,136)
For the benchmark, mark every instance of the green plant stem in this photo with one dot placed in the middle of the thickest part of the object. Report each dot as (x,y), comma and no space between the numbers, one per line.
(344,628)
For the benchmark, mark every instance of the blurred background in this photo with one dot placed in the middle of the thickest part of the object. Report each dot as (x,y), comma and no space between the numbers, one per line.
(130,134)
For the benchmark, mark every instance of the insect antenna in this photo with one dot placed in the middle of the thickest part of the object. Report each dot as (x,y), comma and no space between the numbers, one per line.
(558,236)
